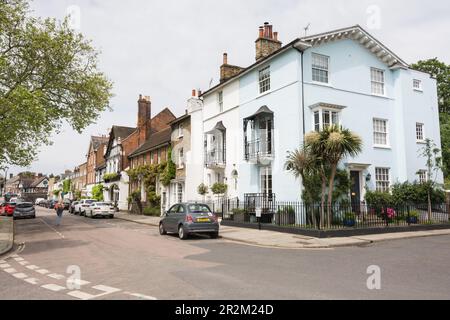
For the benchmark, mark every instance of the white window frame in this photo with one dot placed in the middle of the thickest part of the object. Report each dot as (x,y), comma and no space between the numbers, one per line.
(374,81)
(321,112)
(220,101)
(419,88)
(378,145)
(422,131)
(320,68)
(181,158)
(180,193)
(423,176)
(180,131)
(378,174)
(264,80)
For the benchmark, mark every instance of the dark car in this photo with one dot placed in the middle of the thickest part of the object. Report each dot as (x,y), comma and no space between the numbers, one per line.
(189,218)
(51,204)
(72,207)
(67,204)
(24,210)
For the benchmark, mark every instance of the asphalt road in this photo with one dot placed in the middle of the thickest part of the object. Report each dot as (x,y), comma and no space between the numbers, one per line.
(124,260)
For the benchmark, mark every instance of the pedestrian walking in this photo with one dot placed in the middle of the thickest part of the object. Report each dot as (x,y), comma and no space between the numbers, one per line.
(59,208)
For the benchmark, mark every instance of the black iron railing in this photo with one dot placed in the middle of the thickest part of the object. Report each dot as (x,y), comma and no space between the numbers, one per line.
(215,157)
(257,149)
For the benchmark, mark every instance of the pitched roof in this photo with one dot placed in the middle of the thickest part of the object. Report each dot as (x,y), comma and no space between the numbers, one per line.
(156,141)
(37,182)
(356,33)
(180,119)
(97,141)
(122,132)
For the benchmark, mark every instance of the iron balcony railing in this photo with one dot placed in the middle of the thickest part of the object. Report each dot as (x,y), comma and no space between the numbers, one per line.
(257,149)
(215,158)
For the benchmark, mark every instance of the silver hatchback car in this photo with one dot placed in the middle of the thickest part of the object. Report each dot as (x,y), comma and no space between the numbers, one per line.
(188,218)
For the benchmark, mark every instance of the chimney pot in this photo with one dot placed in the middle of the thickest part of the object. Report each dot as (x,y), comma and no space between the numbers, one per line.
(261,32)
(275,36)
(194,92)
(225,58)
(199,93)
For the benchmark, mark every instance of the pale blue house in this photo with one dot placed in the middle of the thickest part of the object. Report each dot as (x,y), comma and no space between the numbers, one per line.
(344,77)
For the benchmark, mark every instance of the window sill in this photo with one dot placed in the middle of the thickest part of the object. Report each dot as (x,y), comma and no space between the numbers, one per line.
(264,94)
(379,95)
(378,146)
(421,142)
(324,84)
(418,90)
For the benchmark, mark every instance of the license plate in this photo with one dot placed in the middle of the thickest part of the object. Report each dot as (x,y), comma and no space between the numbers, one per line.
(203,220)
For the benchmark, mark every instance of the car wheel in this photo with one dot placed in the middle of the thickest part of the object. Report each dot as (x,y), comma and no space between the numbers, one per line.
(79,212)
(182,234)
(111,216)
(162,231)
(214,235)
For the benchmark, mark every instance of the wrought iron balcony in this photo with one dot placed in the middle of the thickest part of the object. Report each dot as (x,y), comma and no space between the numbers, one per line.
(215,158)
(259,150)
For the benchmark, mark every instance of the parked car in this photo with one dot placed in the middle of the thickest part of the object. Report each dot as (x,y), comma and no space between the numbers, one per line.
(101,209)
(24,210)
(67,204)
(81,207)
(188,218)
(51,204)
(39,201)
(2,208)
(72,207)
(9,208)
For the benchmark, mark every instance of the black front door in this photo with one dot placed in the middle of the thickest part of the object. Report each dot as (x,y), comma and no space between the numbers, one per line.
(356,187)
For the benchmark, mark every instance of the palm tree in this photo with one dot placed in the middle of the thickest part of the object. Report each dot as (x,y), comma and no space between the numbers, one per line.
(303,162)
(332,145)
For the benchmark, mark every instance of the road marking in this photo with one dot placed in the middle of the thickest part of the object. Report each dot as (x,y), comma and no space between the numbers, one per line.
(19,259)
(76,282)
(57,232)
(20,275)
(43,271)
(14,255)
(32,281)
(23,263)
(81,295)
(2,261)
(32,267)
(11,270)
(53,287)
(5,265)
(141,296)
(106,289)
(56,276)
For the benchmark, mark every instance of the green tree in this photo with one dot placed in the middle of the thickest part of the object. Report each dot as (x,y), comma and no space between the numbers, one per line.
(441,72)
(97,192)
(67,185)
(219,189)
(202,190)
(332,145)
(48,76)
(434,163)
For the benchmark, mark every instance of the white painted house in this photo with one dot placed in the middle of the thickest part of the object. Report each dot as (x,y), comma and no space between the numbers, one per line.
(256,115)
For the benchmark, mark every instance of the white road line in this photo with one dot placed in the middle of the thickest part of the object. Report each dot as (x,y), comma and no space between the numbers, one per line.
(11,270)
(81,295)
(76,282)
(57,232)
(5,265)
(20,275)
(56,276)
(33,267)
(106,289)
(23,263)
(141,296)
(53,287)
(19,259)
(42,271)
(32,281)
(14,255)
(2,261)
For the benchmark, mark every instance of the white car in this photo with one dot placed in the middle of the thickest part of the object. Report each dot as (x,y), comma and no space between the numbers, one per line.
(80,207)
(39,201)
(100,209)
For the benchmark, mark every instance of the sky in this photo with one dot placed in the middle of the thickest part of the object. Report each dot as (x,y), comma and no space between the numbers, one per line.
(164,49)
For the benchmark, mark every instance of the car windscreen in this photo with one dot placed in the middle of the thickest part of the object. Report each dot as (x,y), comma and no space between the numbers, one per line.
(103,204)
(199,208)
(24,205)
(89,201)
(11,204)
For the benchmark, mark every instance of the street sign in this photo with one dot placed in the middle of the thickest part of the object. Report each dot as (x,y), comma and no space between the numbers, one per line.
(258,212)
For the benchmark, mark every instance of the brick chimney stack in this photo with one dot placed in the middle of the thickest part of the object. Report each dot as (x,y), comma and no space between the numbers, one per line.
(267,42)
(228,71)
(144,118)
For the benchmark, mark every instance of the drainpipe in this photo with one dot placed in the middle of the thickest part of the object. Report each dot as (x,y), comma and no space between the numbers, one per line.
(303,99)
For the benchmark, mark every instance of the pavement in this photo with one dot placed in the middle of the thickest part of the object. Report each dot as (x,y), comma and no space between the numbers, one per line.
(123,260)
(280,240)
(6,234)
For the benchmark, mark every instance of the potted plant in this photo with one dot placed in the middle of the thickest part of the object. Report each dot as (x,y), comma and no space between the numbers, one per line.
(349,219)
(413,217)
(240,215)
